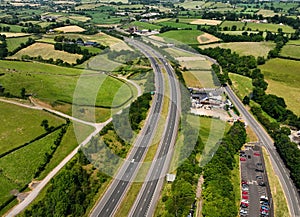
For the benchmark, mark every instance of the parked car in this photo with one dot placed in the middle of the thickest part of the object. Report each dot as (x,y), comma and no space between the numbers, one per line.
(259,170)
(244,192)
(256,154)
(242,159)
(258,164)
(245,197)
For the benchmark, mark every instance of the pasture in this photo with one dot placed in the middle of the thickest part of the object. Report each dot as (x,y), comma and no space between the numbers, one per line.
(245,48)
(241,85)
(47,51)
(257,26)
(70,29)
(20,125)
(59,85)
(290,50)
(13,43)
(18,168)
(283,78)
(178,25)
(184,36)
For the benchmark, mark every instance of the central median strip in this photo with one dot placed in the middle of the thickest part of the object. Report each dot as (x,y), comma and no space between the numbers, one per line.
(131,195)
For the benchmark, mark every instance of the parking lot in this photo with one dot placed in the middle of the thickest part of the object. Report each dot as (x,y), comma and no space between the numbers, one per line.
(256,196)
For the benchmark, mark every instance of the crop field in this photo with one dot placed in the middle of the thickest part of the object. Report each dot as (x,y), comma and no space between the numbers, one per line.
(22,124)
(13,34)
(142,25)
(47,51)
(206,22)
(242,85)
(183,36)
(283,78)
(48,86)
(199,79)
(266,13)
(291,51)
(67,29)
(195,63)
(13,43)
(18,168)
(206,38)
(79,18)
(245,48)
(258,26)
(178,53)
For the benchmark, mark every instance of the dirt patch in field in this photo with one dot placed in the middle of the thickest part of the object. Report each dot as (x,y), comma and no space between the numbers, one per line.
(14,34)
(67,29)
(206,38)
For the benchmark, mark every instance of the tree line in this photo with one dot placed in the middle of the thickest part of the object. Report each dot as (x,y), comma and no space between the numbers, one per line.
(71,192)
(217,188)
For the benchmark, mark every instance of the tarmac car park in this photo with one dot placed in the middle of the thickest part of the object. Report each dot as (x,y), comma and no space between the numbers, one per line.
(255,192)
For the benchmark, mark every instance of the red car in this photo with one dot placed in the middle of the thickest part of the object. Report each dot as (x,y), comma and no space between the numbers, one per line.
(245,192)
(242,159)
(245,197)
(256,154)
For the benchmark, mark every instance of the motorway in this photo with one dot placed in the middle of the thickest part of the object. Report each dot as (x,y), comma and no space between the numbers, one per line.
(112,198)
(147,198)
(279,167)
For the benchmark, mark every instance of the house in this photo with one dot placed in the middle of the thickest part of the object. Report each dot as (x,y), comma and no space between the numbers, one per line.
(91,43)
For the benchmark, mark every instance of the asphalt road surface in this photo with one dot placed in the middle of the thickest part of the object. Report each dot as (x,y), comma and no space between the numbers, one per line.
(147,198)
(112,198)
(279,167)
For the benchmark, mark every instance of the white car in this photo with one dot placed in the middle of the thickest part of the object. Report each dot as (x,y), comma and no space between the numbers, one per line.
(245,201)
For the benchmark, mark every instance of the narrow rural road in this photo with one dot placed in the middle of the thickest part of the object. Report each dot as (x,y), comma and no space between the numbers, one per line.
(281,171)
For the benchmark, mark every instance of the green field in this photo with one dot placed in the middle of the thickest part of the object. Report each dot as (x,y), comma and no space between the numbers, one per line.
(245,48)
(283,78)
(142,25)
(20,125)
(183,36)
(59,84)
(18,168)
(13,28)
(258,26)
(242,85)
(13,43)
(291,51)
(178,25)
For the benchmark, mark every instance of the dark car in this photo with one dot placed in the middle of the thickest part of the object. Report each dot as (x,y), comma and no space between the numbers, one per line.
(262,184)
(259,170)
